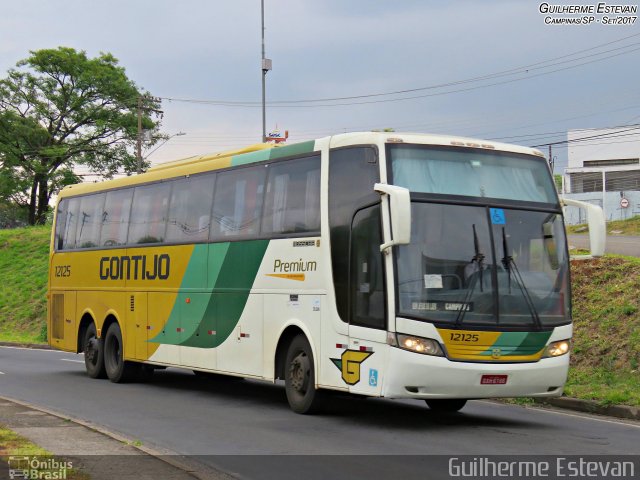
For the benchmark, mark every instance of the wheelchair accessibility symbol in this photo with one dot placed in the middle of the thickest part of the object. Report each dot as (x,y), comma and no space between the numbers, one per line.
(497,216)
(373,377)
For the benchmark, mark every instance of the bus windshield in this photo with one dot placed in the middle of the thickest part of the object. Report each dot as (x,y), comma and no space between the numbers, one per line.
(472,172)
(477,265)
(480,264)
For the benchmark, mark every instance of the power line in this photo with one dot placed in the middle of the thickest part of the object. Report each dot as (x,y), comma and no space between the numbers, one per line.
(520,70)
(610,135)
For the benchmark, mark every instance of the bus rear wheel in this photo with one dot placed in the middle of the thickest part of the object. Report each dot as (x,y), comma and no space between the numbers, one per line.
(300,377)
(93,348)
(446,405)
(118,370)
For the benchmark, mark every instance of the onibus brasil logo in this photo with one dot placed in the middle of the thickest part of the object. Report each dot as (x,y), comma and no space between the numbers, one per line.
(34,468)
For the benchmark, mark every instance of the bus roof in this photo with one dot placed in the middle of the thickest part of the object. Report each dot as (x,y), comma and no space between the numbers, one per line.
(266,151)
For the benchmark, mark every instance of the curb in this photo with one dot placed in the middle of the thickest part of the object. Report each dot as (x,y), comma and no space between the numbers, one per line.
(166,456)
(591,406)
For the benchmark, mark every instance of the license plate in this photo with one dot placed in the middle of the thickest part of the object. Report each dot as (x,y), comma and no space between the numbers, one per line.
(493,379)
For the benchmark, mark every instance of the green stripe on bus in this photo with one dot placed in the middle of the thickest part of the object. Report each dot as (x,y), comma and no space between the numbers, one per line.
(237,275)
(533,343)
(519,343)
(232,269)
(273,153)
(252,157)
(295,149)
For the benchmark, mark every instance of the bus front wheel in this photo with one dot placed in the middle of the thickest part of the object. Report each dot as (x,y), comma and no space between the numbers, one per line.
(118,370)
(446,405)
(93,348)
(300,377)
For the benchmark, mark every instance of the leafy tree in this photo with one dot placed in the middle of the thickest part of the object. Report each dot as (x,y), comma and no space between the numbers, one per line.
(60,109)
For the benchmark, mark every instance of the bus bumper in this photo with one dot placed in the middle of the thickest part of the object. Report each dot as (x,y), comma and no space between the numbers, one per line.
(412,375)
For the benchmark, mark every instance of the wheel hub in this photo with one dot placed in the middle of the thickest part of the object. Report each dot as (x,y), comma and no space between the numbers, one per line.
(90,350)
(298,372)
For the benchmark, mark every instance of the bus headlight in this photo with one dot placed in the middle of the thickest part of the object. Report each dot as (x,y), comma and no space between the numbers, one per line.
(426,346)
(555,349)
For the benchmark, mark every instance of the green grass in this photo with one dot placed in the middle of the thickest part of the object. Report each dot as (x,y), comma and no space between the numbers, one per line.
(23,284)
(605,357)
(606,386)
(13,444)
(615,227)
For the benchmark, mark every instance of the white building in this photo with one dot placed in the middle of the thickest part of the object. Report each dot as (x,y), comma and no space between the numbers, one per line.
(604,169)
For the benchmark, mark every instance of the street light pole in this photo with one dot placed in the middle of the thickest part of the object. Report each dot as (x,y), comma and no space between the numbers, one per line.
(179,134)
(266,66)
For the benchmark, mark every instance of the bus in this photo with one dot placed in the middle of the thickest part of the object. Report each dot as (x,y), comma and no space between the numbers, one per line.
(380,264)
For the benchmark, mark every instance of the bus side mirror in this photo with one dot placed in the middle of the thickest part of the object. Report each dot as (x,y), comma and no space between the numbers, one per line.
(597,226)
(400,212)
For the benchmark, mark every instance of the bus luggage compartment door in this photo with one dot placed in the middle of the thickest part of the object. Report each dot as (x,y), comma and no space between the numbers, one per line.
(63,321)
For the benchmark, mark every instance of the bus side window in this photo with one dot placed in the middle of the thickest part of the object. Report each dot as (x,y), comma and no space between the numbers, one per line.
(71,223)
(149,213)
(115,219)
(237,203)
(292,202)
(366,279)
(61,220)
(90,221)
(190,208)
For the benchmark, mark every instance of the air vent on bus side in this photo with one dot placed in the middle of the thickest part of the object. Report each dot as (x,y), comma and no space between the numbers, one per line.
(57,316)
(132,305)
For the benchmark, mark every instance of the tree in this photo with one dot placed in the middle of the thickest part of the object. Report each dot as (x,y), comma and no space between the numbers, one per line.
(60,109)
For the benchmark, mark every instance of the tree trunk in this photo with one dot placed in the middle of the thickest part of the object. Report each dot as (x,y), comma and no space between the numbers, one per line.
(33,200)
(43,201)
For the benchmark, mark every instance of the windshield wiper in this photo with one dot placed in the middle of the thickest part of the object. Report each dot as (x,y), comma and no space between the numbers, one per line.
(479,256)
(478,259)
(510,264)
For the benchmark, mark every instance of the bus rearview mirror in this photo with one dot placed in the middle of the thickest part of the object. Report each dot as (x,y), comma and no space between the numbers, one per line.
(597,226)
(400,213)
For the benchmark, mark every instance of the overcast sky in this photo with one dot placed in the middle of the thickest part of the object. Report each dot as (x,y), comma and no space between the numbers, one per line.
(210,50)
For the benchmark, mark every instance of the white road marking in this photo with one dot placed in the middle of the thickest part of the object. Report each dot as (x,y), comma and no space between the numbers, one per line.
(70,360)
(582,415)
(1,373)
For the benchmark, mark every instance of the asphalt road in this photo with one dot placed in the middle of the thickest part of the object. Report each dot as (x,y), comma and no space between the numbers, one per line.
(188,415)
(621,244)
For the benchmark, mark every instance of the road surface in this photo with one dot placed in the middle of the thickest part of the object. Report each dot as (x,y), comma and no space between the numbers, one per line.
(188,415)
(620,244)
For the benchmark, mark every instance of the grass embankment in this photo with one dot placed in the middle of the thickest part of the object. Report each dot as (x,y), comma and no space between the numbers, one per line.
(606,345)
(615,227)
(606,310)
(23,284)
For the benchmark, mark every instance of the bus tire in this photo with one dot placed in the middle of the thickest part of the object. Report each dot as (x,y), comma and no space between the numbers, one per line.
(445,405)
(118,370)
(93,348)
(302,395)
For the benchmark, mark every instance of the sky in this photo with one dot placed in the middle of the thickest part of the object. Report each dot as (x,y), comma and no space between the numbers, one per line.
(208,50)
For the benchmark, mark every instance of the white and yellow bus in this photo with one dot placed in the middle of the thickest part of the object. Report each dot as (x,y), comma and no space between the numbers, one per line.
(381,264)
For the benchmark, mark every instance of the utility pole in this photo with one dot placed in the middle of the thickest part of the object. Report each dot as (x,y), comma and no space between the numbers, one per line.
(266,66)
(140,109)
(139,146)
